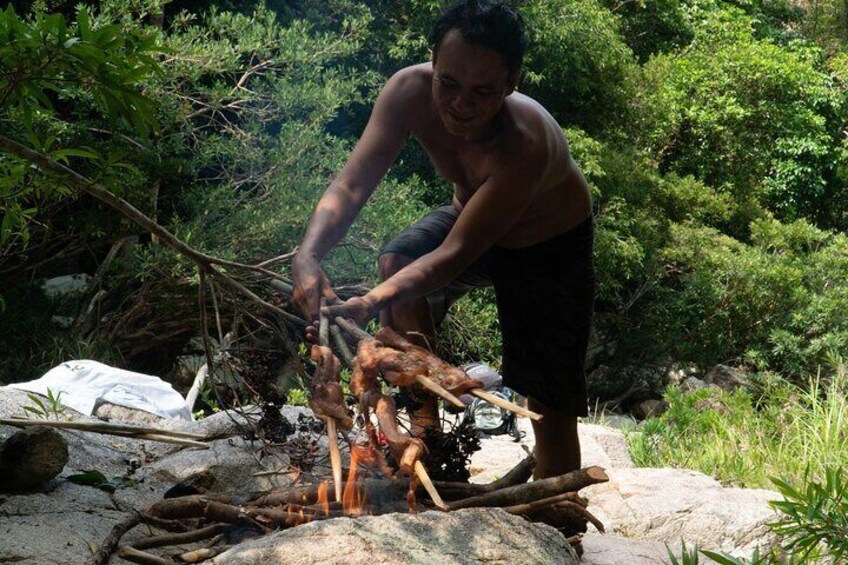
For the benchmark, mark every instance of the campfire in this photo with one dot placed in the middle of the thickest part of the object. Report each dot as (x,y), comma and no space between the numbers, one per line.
(376,481)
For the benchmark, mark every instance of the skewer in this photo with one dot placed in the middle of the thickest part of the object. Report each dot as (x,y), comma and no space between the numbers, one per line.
(505,404)
(428,485)
(332,435)
(438,390)
(335,457)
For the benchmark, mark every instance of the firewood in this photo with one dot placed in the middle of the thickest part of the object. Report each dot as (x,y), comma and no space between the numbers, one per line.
(180,538)
(520,509)
(542,488)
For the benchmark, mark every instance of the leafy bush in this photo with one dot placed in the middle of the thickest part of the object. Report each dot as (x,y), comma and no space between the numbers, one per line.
(815,517)
(746,116)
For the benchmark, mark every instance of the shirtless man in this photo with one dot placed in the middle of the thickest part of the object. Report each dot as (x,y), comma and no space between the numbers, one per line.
(520,218)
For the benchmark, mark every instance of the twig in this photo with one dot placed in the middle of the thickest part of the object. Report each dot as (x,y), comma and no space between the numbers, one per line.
(203,553)
(142,557)
(341,346)
(82,184)
(107,547)
(352,328)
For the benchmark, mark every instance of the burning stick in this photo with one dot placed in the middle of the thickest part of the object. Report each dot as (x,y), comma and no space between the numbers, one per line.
(428,485)
(335,456)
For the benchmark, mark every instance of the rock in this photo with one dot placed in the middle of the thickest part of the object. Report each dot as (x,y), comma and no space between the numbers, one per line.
(649,409)
(727,378)
(60,527)
(481,535)
(676,373)
(609,549)
(604,447)
(690,384)
(32,457)
(668,505)
(123,414)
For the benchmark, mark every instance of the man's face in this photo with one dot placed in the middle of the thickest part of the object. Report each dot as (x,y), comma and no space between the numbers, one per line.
(470,83)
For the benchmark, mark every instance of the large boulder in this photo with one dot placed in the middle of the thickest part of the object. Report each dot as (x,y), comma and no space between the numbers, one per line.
(481,535)
(669,505)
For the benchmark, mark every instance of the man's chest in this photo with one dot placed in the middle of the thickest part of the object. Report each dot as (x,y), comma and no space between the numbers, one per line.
(466,167)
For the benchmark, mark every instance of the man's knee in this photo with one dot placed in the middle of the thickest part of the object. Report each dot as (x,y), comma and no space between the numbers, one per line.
(391,263)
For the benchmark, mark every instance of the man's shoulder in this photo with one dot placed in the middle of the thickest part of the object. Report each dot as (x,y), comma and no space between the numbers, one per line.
(411,81)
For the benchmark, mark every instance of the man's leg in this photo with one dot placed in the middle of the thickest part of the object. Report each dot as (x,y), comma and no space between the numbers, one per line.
(557,444)
(413,320)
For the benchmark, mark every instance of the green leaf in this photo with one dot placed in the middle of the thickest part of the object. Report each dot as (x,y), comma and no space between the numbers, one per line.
(92,478)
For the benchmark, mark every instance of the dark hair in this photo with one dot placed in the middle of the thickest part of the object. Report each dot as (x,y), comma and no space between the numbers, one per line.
(492,25)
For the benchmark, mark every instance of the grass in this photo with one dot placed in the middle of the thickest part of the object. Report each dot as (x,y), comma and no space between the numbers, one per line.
(744,439)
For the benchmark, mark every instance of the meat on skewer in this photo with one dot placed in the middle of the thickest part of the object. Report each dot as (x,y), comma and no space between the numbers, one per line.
(421,361)
(326,398)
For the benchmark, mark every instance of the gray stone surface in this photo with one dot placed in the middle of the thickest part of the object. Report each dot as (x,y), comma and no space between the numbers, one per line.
(669,505)
(464,537)
(609,549)
(727,378)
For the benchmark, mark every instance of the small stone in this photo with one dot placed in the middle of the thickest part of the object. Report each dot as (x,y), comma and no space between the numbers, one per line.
(32,457)
(649,409)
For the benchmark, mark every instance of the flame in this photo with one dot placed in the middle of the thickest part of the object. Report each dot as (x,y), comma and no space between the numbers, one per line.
(353,497)
(323,497)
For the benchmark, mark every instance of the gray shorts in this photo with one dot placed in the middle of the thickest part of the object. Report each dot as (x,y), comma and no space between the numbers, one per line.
(545,297)
(425,236)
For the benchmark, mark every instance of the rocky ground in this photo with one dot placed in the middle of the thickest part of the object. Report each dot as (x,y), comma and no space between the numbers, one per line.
(643,509)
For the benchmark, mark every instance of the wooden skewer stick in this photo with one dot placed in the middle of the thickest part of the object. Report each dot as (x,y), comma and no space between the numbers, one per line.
(335,457)
(505,404)
(101,427)
(428,485)
(332,435)
(437,389)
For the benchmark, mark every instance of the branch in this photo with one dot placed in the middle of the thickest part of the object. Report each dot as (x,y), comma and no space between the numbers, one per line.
(82,184)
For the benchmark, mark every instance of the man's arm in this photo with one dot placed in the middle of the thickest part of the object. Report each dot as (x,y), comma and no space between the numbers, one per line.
(488,215)
(385,134)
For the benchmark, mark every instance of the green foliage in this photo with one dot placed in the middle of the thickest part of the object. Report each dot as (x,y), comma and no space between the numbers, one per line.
(45,408)
(579,67)
(744,438)
(688,556)
(746,116)
(814,518)
(652,26)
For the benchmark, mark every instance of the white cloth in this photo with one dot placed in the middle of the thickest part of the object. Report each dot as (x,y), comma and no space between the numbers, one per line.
(84,384)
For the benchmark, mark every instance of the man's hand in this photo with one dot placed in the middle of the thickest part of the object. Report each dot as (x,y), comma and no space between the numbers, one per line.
(359,309)
(310,286)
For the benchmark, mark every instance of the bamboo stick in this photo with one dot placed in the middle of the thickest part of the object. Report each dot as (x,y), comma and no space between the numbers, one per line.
(505,404)
(138,432)
(421,472)
(437,389)
(335,456)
